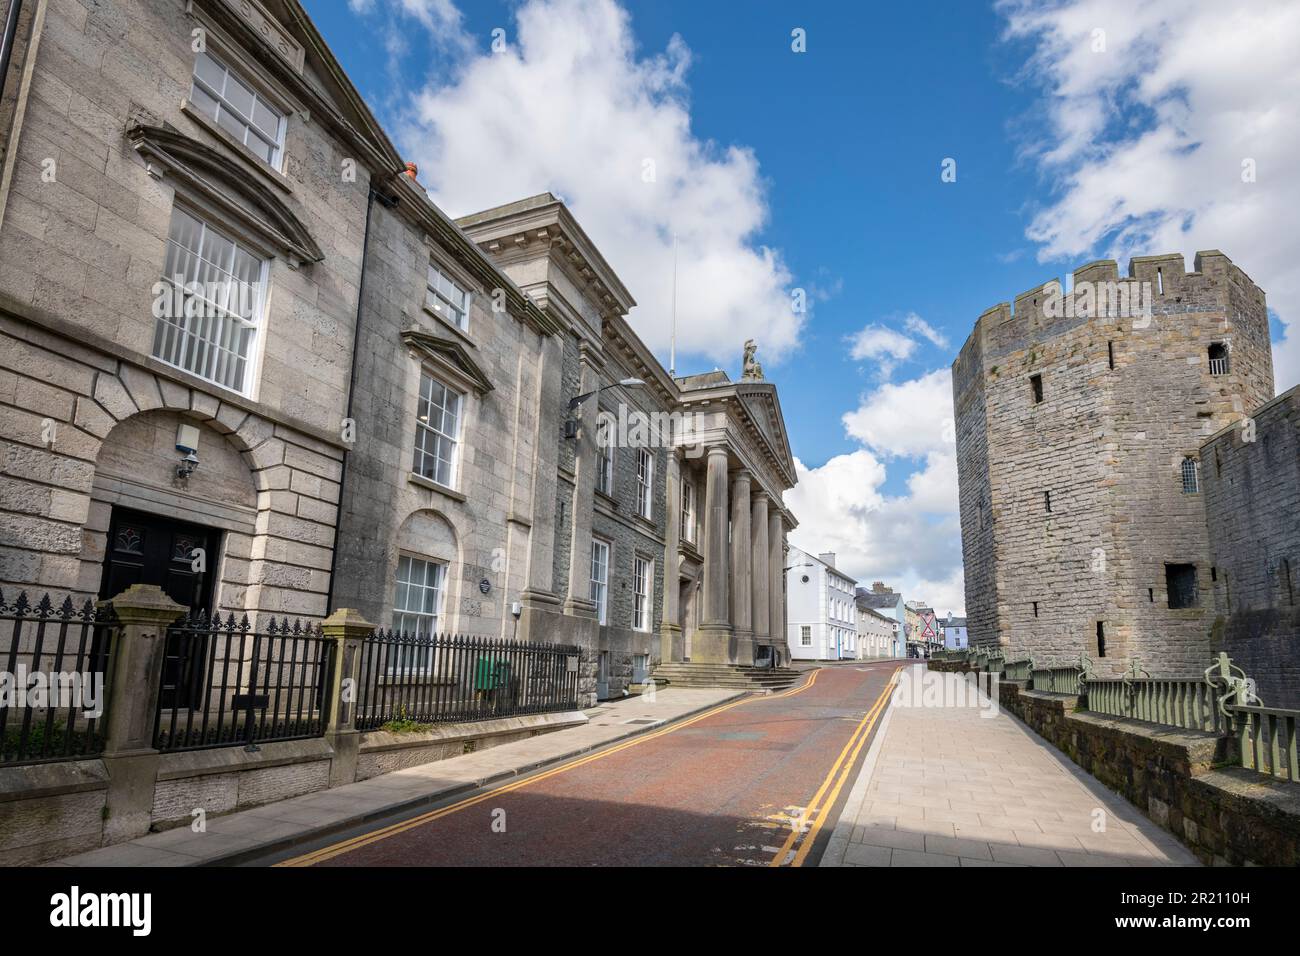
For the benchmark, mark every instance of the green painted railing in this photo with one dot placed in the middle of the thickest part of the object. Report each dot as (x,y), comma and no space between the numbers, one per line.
(1018,670)
(1190,704)
(1056,680)
(1266,738)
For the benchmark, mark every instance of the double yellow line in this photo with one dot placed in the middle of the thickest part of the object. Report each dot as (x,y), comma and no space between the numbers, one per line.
(365,839)
(831,786)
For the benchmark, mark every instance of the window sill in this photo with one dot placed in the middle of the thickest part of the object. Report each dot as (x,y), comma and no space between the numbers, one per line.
(456,330)
(432,485)
(251,159)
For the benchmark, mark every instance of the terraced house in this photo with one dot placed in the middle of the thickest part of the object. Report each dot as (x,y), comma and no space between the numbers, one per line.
(184,200)
(243,357)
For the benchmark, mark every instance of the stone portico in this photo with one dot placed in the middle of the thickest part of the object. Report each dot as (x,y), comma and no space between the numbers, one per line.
(729,470)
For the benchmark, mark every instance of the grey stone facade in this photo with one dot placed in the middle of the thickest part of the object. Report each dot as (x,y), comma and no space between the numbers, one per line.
(1252,511)
(1073,424)
(102,144)
(306,461)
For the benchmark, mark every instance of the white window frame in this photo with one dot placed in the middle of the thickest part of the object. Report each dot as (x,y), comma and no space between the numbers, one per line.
(425,622)
(599,575)
(643,570)
(645,474)
(805,635)
(436,299)
(688,511)
(209,334)
(424,406)
(224,105)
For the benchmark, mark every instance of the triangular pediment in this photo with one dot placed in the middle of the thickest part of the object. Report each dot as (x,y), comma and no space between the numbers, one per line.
(448,356)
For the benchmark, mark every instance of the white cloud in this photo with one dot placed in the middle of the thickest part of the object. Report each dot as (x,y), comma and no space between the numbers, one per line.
(908,419)
(571,106)
(918,326)
(911,541)
(880,344)
(1147,138)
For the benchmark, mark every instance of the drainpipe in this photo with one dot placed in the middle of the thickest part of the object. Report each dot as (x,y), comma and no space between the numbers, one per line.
(7,40)
(388,202)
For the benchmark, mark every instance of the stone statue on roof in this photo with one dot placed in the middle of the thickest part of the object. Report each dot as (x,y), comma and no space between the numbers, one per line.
(753,370)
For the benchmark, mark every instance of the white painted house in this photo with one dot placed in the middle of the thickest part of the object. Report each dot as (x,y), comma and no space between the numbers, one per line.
(822,612)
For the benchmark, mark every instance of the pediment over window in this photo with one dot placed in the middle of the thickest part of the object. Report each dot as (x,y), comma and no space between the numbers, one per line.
(222,184)
(449,357)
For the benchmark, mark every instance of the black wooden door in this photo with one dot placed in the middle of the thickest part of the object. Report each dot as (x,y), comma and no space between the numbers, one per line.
(149,549)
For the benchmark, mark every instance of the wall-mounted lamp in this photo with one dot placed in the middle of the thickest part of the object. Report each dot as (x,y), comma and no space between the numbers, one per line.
(187,443)
(625,383)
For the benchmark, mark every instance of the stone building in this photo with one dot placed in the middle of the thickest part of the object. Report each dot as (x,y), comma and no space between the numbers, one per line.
(1251,487)
(1080,417)
(182,211)
(202,227)
(650,475)
(438,523)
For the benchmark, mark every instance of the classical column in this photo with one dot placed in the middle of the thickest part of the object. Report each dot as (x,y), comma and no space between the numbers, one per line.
(670,632)
(759,576)
(712,641)
(776,580)
(742,591)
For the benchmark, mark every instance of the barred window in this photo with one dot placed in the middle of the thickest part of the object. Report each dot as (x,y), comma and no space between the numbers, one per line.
(209,317)
(238,108)
(447,298)
(437,431)
(600,578)
(1191,476)
(642,575)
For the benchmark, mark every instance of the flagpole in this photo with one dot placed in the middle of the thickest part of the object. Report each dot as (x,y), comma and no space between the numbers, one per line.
(672,341)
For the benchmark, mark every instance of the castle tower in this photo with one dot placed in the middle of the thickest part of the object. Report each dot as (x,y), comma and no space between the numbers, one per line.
(1080,414)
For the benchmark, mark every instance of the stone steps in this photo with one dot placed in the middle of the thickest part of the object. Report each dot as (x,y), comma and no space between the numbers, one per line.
(740,676)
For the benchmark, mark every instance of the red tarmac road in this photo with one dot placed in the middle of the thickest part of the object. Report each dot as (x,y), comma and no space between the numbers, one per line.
(717,789)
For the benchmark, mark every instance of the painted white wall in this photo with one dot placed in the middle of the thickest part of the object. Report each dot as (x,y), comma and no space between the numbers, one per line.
(824,605)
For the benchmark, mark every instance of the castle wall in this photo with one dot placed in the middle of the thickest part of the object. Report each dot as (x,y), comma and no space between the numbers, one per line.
(1126,395)
(1252,513)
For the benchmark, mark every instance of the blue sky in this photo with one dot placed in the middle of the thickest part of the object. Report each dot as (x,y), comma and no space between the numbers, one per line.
(828,164)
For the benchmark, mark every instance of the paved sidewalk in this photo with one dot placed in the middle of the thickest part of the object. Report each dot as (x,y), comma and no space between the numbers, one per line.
(947,787)
(236,836)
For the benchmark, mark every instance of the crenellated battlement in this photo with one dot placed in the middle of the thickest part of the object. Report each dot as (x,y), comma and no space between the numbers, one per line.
(1158,284)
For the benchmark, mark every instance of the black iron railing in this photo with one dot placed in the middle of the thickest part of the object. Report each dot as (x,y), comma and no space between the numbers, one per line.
(224,684)
(443,678)
(54,685)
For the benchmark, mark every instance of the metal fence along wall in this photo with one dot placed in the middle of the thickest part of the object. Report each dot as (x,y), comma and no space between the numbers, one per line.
(225,684)
(454,678)
(54,690)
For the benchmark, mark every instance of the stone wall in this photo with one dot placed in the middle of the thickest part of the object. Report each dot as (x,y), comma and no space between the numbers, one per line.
(1251,477)
(1225,815)
(1072,505)
(488,516)
(49,811)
